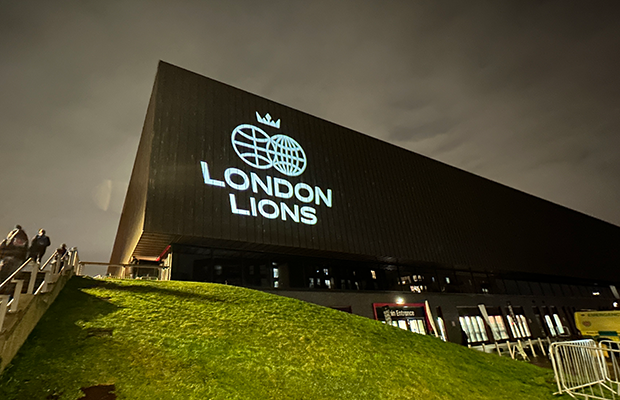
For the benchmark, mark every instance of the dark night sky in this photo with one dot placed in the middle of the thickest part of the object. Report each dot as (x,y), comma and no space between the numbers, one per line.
(525,93)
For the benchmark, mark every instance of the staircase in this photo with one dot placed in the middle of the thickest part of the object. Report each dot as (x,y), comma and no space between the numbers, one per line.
(25,295)
(24,276)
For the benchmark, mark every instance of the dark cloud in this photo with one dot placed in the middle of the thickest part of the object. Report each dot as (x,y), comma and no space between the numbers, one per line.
(522,92)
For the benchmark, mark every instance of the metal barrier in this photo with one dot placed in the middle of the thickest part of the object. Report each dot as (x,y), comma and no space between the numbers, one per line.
(517,349)
(125,270)
(587,369)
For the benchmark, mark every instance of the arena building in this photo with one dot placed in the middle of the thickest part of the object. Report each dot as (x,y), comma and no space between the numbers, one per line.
(232,188)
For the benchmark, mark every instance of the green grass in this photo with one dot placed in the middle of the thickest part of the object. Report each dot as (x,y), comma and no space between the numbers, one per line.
(185,340)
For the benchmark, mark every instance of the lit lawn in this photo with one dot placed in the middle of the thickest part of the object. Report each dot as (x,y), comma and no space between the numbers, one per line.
(183,340)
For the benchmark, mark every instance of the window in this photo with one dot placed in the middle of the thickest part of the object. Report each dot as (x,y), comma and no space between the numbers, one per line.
(417,326)
(498,327)
(442,329)
(558,324)
(518,326)
(474,328)
(550,325)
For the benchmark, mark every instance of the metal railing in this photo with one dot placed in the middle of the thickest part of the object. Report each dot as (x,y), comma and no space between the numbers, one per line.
(518,349)
(53,268)
(586,369)
(162,272)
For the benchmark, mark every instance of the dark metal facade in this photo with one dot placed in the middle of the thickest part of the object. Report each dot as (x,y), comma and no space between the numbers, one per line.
(388,204)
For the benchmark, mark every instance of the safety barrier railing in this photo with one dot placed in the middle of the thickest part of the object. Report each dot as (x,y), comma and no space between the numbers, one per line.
(162,274)
(53,268)
(586,369)
(518,349)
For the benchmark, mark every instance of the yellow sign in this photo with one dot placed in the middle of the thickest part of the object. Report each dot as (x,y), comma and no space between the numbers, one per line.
(598,323)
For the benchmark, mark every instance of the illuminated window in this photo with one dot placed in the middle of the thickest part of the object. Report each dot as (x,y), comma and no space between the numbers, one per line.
(519,327)
(524,325)
(417,326)
(373,274)
(550,325)
(442,329)
(558,324)
(483,332)
(497,327)
(474,328)
(276,273)
(421,327)
(416,288)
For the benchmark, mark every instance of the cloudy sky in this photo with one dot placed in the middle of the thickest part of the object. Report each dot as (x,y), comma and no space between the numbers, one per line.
(525,93)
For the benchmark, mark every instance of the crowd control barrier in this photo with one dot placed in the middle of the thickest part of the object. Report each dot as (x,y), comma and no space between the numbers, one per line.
(586,369)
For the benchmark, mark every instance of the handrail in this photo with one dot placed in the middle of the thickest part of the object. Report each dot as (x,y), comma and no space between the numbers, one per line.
(17,271)
(42,267)
(24,314)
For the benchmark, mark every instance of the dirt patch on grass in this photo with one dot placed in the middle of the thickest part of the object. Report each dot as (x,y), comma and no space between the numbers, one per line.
(99,392)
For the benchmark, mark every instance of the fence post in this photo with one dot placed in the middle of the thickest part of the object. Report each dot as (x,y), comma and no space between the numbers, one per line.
(19,284)
(512,353)
(532,347)
(542,348)
(47,281)
(33,277)
(499,352)
(4,302)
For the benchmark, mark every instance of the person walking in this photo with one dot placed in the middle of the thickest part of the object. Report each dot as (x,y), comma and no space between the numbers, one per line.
(38,246)
(14,250)
(61,253)
(17,243)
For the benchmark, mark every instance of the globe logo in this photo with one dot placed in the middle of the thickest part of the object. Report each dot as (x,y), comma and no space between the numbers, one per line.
(252,145)
(287,157)
(257,149)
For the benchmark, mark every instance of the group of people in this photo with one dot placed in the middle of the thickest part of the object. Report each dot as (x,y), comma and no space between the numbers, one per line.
(14,250)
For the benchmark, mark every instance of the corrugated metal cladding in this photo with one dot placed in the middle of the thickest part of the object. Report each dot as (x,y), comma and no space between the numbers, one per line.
(388,203)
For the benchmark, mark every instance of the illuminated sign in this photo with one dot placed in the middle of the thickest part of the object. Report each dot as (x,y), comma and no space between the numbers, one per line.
(261,151)
(258,150)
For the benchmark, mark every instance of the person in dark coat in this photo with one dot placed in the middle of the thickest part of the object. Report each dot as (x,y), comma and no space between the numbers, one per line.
(17,244)
(38,246)
(61,252)
(14,249)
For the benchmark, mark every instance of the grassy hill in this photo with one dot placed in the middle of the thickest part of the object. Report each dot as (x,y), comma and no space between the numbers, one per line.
(185,340)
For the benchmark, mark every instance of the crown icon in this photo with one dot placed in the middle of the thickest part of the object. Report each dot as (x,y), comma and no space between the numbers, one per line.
(267,120)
